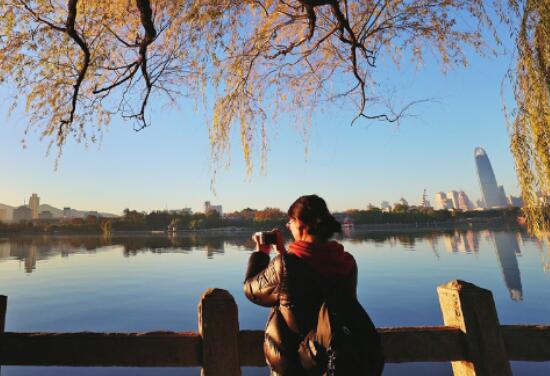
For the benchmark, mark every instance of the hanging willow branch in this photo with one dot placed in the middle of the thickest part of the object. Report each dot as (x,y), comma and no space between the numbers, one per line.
(530,126)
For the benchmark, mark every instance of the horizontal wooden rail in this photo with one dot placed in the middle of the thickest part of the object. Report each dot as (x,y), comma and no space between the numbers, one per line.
(152,349)
(527,342)
(471,330)
(164,349)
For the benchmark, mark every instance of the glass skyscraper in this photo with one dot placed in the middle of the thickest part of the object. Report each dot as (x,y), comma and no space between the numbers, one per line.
(492,195)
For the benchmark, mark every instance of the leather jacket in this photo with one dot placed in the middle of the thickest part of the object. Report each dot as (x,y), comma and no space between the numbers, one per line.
(295,292)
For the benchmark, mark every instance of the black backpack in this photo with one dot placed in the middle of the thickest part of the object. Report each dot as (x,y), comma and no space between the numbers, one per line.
(343,342)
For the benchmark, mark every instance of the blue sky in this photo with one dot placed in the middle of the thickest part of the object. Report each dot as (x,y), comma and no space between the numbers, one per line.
(168,164)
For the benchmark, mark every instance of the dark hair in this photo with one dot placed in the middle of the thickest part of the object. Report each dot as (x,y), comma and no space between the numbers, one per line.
(313,212)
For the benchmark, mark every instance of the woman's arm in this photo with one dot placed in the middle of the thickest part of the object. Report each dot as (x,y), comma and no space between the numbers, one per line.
(262,279)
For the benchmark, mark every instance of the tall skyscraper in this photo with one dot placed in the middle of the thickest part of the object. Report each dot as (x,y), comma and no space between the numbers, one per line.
(492,195)
(34,204)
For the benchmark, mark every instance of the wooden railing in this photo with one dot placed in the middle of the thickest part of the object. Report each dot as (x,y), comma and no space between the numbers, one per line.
(472,340)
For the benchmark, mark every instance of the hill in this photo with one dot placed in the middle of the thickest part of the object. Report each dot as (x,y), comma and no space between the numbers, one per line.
(57,213)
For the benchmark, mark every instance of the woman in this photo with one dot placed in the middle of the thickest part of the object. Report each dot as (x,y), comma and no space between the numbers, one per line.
(295,283)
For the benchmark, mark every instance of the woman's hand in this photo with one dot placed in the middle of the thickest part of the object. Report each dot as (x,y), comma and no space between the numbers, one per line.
(279,242)
(265,248)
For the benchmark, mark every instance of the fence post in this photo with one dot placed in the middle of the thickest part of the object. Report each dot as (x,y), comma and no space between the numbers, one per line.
(3,309)
(219,328)
(473,310)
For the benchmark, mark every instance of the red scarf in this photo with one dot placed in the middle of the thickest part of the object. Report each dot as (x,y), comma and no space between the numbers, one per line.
(328,259)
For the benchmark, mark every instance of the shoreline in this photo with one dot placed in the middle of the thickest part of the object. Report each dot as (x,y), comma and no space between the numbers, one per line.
(476,225)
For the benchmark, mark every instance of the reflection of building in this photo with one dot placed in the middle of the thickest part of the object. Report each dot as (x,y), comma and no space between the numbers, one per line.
(493,195)
(34,204)
(461,241)
(449,242)
(25,251)
(22,213)
(507,247)
(208,207)
(471,241)
(5,250)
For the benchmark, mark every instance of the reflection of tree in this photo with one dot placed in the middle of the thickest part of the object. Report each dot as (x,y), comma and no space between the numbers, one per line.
(506,247)
(35,248)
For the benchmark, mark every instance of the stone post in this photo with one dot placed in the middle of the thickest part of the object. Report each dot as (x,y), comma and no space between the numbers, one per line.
(219,328)
(472,309)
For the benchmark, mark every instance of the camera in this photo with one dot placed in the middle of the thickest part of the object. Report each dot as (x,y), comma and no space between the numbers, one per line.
(266,237)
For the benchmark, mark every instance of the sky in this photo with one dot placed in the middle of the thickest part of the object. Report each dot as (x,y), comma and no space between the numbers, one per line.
(168,165)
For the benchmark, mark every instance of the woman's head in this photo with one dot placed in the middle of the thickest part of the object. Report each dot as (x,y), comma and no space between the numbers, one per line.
(309,215)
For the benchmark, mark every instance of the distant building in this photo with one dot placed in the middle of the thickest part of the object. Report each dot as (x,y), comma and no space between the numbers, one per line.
(440,201)
(424,202)
(46,214)
(480,204)
(34,205)
(502,195)
(67,212)
(217,208)
(22,213)
(184,211)
(493,195)
(452,196)
(514,201)
(3,215)
(464,202)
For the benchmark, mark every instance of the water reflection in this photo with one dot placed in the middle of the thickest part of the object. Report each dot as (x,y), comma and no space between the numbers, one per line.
(507,248)
(506,244)
(32,249)
(461,241)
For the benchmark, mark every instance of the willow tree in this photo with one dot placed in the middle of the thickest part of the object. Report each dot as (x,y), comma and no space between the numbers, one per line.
(76,64)
(530,119)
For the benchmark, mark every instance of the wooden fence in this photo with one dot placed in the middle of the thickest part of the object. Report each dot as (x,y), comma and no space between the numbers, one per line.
(472,340)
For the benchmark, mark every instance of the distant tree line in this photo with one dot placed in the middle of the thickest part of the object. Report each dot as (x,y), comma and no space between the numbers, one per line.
(133,220)
(404,214)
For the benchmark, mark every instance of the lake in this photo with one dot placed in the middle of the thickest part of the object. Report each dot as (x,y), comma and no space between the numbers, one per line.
(146,283)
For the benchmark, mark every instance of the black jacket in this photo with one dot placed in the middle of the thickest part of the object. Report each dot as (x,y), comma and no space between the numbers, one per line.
(295,292)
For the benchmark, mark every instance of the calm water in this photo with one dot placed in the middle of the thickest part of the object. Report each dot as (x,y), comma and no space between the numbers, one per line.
(143,283)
